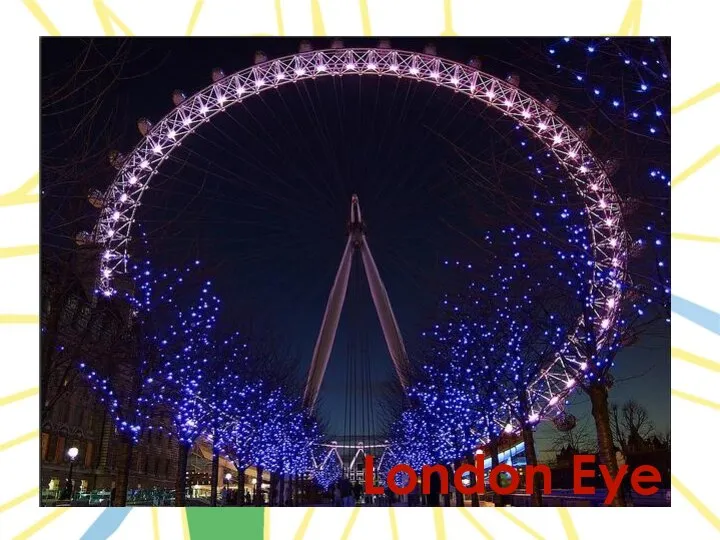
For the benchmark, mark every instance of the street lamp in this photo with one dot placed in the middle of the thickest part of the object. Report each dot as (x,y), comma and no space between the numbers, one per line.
(227,479)
(72,454)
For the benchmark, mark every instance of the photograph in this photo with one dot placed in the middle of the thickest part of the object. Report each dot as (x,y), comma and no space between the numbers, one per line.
(354,272)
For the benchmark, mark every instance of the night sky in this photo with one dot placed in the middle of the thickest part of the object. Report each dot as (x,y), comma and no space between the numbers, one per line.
(261,194)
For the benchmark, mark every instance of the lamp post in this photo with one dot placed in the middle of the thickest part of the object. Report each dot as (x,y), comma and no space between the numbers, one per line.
(228,477)
(72,454)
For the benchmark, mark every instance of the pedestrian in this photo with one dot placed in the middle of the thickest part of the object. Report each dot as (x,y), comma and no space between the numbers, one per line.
(625,485)
(414,496)
(346,492)
(390,496)
(435,485)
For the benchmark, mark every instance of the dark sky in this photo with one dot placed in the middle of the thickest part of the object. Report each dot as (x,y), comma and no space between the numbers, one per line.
(261,194)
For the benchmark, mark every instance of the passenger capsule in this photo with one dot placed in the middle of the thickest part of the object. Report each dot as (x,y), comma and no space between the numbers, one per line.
(475,62)
(83,238)
(584,133)
(637,248)
(384,44)
(513,78)
(430,49)
(144,126)
(305,46)
(178,96)
(611,166)
(260,57)
(116,159)
(565,421)
(217,74)
(552,103)
(629,206)
(96,198)
(337,44)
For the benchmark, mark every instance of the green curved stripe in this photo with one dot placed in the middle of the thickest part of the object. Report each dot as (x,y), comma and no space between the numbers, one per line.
(229,523)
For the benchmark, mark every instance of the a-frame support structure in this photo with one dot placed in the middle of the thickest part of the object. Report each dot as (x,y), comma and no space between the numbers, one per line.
(357,242)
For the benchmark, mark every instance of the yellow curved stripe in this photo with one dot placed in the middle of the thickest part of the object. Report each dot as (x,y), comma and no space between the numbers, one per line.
(697,503)
(21,195)
(279,18)
(19,251)
(520,524)
(155,523)
(194,17)
(109,20)
(40,524)
(702,96)
(350,524)
(12,503)
(695,399)
(19,440)
(695,359)
(318,24)
(439,524)
(185,528)
(24,394)
(630,25)
(9,318)
(365,18)
(695,167)
(449,29)
(41,17)
(474,522)
(695,237)
(568,524)
(266,524)
(300,534)
(393,524)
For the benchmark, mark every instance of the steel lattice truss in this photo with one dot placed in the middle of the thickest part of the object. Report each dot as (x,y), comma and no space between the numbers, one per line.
(356,453)
(591,179)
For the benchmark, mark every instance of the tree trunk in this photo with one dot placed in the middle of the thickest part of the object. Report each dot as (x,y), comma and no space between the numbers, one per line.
(474,497)
(531,459)
(123,474)
(181,480)
(606,449)
(281,490)
(272,489)
(495,461)
(241,487)
(459,498)
(214,477)
(257,496)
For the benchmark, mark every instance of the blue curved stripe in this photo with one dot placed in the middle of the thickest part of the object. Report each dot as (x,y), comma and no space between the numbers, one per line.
(106,524)
(698,314)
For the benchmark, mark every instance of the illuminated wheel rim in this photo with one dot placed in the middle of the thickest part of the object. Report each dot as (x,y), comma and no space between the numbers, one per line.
(591,179)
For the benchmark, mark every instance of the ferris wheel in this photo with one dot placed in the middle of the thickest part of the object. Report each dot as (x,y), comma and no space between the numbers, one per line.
(539,118)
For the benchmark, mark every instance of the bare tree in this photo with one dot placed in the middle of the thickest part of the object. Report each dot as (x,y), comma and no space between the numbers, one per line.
(631,426)
(81,124)
(75,327)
